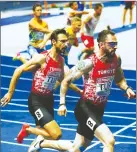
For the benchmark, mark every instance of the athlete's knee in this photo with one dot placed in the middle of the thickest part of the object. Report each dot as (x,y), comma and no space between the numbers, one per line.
(53,129)
(110,141)
(56,134)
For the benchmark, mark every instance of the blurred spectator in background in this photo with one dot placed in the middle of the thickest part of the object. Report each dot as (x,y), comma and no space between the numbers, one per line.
(81,5)
(129,5)
(74,12)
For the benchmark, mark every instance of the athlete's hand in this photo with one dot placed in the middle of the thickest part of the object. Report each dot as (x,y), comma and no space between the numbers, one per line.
(6,99)
(62,110)
(130,93)
(80,92)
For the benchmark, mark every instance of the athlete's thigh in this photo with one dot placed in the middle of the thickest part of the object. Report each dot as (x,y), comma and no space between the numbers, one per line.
(86,132)
(41,113)
(103,133)
(86,113)
(89,119)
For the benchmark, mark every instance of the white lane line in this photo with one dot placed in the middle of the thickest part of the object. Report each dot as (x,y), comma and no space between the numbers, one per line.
(122,136)
(115,101)
(119,112)
(116,133)
(120,117)
(117,143)
(18,90)
(129,113)
(134,129)
(12,143)
(130,143)
(21,78)
(19,105)
(9,66)
(126,102)
(17,122)
(19,100)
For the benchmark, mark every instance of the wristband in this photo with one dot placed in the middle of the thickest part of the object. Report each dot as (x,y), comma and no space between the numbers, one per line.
(128,88)
(62,104)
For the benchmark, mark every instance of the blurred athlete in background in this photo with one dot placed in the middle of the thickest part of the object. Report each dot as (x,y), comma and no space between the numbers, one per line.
(39,33)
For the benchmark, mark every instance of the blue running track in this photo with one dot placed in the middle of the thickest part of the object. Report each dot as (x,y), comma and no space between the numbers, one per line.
(120,113)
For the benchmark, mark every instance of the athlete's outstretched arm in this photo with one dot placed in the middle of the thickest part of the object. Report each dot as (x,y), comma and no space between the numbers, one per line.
(76,72)
(17,73)
(85,21)
(121,81)
(73,13)
(45,40)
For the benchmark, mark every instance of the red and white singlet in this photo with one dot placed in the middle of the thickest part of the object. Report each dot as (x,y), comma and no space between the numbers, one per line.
(98,82)
(45,78)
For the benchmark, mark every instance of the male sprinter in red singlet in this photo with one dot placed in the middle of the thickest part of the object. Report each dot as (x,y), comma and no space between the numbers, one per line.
(48,67)
(98,70)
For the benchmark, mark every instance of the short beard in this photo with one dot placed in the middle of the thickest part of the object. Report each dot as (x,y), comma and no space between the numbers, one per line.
(107,57)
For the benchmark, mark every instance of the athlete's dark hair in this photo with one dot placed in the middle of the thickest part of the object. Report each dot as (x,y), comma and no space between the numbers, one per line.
(97,6)
(71,3)
(56,32)
(36,5)
(103,34)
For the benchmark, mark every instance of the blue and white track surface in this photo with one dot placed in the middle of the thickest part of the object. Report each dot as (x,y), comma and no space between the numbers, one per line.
(120,113)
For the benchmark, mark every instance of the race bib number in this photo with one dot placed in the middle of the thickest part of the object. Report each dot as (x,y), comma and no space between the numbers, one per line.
(49,82)
(39,114)
(91,123)
(103,86)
